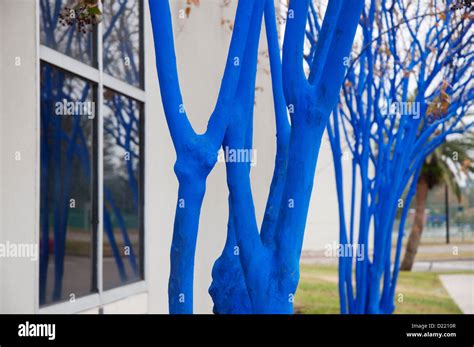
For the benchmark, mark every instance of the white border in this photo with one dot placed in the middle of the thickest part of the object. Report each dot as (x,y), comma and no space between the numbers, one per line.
(97,76)
(65,62)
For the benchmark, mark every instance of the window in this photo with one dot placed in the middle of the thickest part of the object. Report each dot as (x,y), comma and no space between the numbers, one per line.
(92,152)
(67,148)
(122,40)
(122,124)
(65,39)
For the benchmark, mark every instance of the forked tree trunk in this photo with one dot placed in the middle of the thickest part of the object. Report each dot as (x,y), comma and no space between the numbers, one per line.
(418,224)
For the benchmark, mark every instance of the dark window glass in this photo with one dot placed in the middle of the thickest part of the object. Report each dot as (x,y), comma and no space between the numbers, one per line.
(65,39)
(122,262)
(67,203)
(123,40)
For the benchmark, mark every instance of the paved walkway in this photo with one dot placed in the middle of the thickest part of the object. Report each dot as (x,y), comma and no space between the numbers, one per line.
(444,266)
(461,289)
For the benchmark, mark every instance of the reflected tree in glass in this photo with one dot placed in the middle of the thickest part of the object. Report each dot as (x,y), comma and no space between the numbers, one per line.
(122,37)
(66,188)
(121,186)
(65,39)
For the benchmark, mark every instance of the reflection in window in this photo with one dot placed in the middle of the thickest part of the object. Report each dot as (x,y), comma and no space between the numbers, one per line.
(65,39)
(122,40)
(66,236)
(122,193)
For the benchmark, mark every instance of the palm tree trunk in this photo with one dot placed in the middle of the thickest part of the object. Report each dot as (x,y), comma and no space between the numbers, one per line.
(418,224)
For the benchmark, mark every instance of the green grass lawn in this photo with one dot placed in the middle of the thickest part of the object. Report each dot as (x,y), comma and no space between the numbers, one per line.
(422,292)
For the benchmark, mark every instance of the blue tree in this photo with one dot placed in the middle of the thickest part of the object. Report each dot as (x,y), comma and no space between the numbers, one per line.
(408,88)
(263,277)
(196,154)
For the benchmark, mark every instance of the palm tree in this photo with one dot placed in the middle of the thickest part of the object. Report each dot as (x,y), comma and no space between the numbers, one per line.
(446,165)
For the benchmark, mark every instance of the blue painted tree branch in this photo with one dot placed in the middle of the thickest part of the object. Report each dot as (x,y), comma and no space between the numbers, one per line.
(270,261)
(228,289)
(196,154)
(388,143)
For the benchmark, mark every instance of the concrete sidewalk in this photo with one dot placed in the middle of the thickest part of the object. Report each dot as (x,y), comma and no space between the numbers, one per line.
(444,266)
(461,289)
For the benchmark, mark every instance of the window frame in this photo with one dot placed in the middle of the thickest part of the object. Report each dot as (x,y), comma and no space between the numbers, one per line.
(101,80)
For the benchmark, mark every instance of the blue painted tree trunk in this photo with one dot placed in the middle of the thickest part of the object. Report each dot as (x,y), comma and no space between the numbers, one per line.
(258,271)
(390,121)
(196,154)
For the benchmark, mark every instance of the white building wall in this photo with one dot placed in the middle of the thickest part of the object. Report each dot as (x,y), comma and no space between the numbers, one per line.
(322,227)
(19,136)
